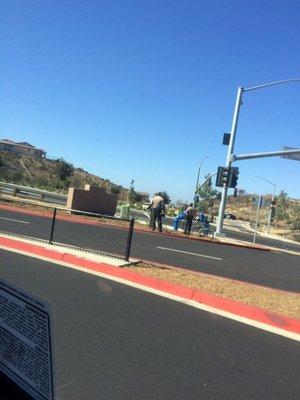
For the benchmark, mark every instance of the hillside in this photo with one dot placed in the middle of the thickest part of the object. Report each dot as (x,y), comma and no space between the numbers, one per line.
(53,175)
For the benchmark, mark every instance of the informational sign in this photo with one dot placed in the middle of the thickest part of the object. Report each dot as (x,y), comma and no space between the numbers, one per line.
(25,342)
(291,156)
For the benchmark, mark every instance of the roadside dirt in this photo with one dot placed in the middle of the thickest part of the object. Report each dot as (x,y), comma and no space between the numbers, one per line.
(277,301)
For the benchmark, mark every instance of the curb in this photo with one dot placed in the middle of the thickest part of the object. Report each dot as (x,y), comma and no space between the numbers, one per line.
(220,303)
(224,278)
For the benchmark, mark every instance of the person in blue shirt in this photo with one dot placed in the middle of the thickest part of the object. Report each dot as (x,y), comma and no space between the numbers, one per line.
(177,219)
(203,219)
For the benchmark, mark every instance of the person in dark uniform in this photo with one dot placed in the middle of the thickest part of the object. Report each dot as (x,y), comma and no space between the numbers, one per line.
(190,213)
(157,209)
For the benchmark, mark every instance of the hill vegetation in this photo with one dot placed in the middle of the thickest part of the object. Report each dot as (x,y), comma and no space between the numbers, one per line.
(53,175)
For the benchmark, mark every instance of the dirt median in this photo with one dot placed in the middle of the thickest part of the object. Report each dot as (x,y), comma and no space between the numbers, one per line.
(276,301)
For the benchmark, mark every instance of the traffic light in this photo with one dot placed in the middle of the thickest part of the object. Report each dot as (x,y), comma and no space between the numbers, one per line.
(209,182)
(222,176)
(226,138)
(233,177)
(273,212)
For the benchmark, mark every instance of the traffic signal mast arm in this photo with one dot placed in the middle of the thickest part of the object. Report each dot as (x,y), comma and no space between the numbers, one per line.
(266,154)
(206,180)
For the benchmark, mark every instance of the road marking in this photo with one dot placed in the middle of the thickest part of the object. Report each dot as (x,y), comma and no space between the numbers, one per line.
(188,252)
(15,220)
(191,303)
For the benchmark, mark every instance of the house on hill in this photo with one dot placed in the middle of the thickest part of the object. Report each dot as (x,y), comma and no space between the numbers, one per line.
(21,148)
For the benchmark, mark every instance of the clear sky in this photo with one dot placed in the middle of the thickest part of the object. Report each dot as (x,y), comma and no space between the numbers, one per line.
(143,90)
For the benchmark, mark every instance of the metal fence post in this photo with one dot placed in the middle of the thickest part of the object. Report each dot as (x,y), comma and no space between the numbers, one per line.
(52,226)
(129,239)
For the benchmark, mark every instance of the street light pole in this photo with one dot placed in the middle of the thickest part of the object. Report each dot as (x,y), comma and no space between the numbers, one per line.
(198,177)
(230,155)
(273,197)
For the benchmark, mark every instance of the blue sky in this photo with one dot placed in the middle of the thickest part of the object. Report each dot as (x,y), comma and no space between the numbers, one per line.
(144,90)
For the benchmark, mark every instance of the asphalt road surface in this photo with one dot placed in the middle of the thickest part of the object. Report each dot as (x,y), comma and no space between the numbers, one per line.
(114,342)
(277,270)
(241,234)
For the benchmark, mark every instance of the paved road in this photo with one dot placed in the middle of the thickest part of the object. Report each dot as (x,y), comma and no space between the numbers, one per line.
(277,270)
(242,234)
(115,342)
(108,239)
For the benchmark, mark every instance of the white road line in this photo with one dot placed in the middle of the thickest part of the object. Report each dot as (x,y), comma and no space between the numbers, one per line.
(191,303)
(15,220)
(188,252)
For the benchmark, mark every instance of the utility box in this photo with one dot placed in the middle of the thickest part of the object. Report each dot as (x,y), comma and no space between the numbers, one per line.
(92,199)
(125,211)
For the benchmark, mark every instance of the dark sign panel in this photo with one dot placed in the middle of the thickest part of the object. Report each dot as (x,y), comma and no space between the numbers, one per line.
(25,343)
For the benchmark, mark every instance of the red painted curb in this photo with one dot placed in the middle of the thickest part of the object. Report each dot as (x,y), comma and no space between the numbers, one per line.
(221,303)
(167,266)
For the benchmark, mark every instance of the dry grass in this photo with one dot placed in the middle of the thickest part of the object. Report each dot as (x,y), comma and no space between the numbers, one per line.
(279,302)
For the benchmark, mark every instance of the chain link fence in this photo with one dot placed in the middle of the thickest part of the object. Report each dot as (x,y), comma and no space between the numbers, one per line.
(93,232)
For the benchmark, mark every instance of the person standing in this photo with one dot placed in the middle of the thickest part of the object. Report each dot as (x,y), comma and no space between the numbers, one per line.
(157,209)
(190,213)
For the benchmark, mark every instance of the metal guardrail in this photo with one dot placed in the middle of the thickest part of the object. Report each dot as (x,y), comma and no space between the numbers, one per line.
(98,233)
(32,193)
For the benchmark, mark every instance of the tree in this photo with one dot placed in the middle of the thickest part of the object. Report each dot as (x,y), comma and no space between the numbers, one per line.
(131,195)
(114,190)
(294,220)
(17,176)
(166,197)
(2,162)
(205,193)
(281,213)
(64,169)
(137,198)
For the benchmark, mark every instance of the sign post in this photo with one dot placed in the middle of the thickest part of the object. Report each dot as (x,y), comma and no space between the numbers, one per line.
(259,204)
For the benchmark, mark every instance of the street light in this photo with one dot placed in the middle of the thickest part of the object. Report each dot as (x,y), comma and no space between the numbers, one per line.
(198,176)
(273,198)
(229,160)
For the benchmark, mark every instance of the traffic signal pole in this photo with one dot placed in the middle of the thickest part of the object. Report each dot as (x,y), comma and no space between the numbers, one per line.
(235,119)
(257,218)
(230,156)
(270,211)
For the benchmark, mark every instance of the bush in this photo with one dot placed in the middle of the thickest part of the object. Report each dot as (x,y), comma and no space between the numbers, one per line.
(2,162)
(115,190)
(166,197)
(17,176)
(64,169)
(294,221)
